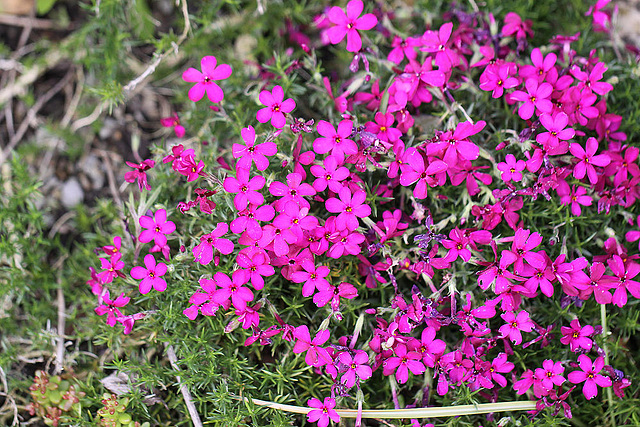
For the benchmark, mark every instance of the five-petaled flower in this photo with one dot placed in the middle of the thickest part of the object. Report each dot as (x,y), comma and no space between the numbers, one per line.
(157,228)
(151,275)
(276,107)
(590,375)
(204,80)
(324,411)
(348,24)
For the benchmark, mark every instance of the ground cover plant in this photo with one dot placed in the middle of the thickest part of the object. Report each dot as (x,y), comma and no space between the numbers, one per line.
(348,214)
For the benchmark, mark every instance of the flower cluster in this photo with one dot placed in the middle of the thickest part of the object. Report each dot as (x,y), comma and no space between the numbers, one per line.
(363,193)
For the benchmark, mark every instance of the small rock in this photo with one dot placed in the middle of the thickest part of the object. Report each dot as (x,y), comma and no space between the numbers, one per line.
(72,193)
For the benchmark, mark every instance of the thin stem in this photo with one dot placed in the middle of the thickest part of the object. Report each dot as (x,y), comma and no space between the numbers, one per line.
(449,411)
(186,394)
(605,334)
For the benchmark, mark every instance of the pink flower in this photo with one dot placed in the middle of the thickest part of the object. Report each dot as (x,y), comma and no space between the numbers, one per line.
(622,281)
(252,152)
(254,266)
(357,367)
(140,173)
(248,220)
(541,65)
(588,159)
(110,268)
(312,276)
(416,170)
(511,169)
(516,324)
(203,252)
(324,411)
(110,308)
(513,24)
(403,47)
(536,97)
(550,374)
(276,108)
(316,355)
(205,80)
(247,189)
(404,361)
(329,175)
(500,365)
(156,228)
(174,122)
(231,289)
(556,126)
(590,375)
(348,24)
(436,42)
(429,347)
(577,337)
(337,142)
(498,79)
(576,197)
(293,191)
(151,276)
(350,206)
(334,293)
(521,250)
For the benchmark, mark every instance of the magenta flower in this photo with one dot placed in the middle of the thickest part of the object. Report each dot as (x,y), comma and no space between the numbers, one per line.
(383,130)
(516,324)
(205,80)
(110,308)
(334,293)
(550,374)
(521,250)
(513,24)
(541,65)
(573,196)
(203,252)
(500,365)
(323,412)
(436,42)
(312,276)
(348,24)
(247,189)
(403,47)
(254,266)
(351,207)
(416,170)
(404,361)
(295,218)
(337,142)
(248,220)
(590,375)
(329,175)
(577,337)
(276,108)
(536,97)
(294,190)
(316,355)
(511,169)
(357,367)
(588,159)
(173,122)
(252,152)
(498,79)
(623,273)
(599,285)
(231,289)
(156,228)
(139,173)
(429,347)
(556,130)
(110,267)
(151,275)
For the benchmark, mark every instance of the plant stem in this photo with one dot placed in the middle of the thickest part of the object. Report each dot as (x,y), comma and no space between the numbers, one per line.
(448,411)
(605,334)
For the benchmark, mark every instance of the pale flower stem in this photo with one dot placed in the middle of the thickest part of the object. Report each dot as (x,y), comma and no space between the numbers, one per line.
(605,334)
(450,411)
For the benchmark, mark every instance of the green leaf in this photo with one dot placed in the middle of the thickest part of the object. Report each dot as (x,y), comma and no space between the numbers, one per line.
(44,6)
